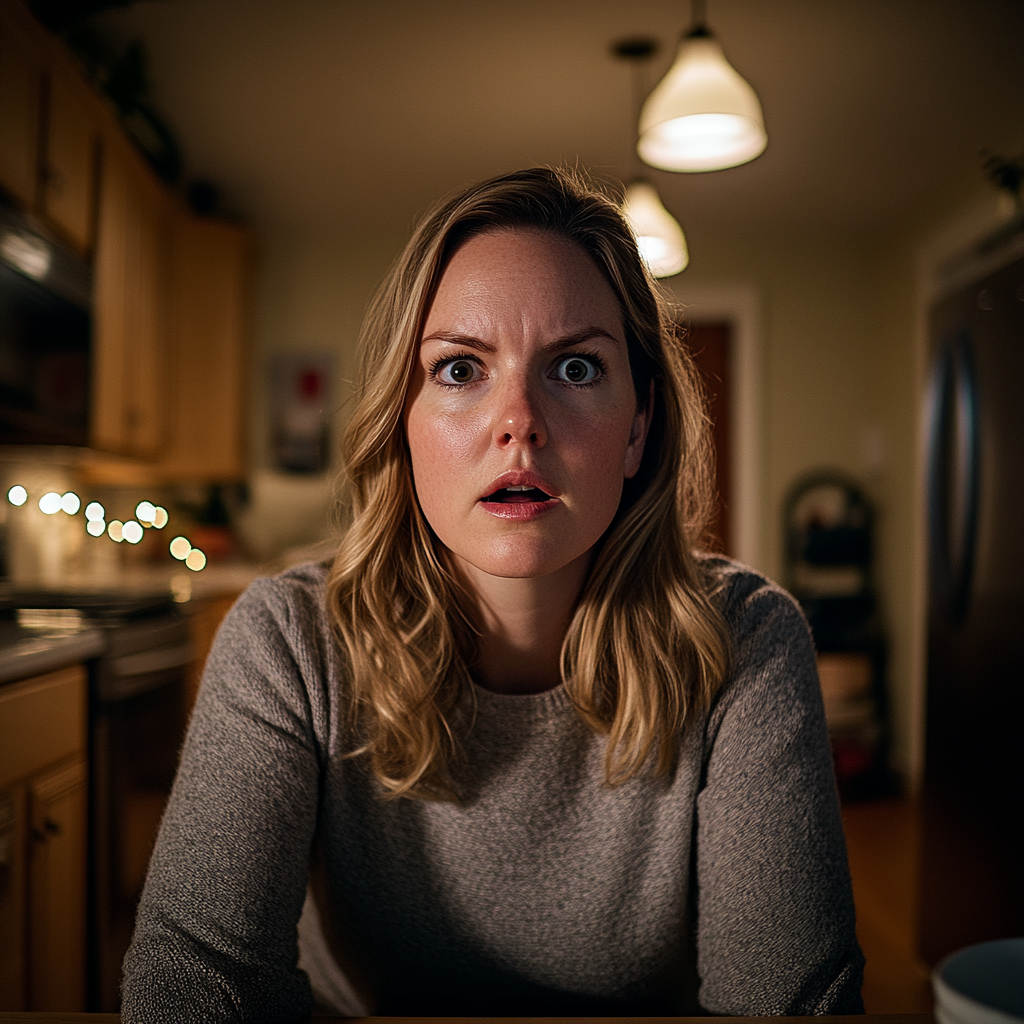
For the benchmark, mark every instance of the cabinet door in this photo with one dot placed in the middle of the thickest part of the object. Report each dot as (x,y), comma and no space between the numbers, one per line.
(57,883)
(69,162)
(129,340)
(13,926)
(21,78)
(210,297)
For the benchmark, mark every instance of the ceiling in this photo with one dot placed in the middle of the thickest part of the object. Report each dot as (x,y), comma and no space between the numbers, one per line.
(354,115)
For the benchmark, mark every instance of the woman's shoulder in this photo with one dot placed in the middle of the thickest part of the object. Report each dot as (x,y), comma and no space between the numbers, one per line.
(293,597)
(286,612)
(743,595)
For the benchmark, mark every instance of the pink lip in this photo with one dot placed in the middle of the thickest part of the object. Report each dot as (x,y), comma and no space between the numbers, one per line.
(520,510)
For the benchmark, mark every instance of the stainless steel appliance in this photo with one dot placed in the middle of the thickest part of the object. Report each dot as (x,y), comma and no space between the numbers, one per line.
(45,337)
(972,885)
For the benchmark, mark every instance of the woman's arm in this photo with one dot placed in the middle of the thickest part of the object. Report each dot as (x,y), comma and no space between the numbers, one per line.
(775,928)
(215,936)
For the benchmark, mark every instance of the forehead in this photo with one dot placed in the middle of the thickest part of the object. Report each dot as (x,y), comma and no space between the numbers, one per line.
(537,275)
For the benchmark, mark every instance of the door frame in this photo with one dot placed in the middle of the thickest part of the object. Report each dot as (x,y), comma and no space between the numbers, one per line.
(738,304)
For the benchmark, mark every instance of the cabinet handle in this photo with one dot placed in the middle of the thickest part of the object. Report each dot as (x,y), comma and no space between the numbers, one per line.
(54,180)
(50,828)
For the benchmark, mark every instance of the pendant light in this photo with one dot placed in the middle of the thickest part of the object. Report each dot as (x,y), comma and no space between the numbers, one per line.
(659,237)
(702,116)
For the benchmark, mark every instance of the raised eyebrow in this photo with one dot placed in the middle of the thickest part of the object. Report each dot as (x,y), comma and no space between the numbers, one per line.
(578,337)
(458,339)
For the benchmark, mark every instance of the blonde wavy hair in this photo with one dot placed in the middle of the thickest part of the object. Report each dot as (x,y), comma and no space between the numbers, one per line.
(647,647)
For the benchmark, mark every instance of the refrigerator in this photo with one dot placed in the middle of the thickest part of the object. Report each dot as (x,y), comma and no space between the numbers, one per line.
(972,837)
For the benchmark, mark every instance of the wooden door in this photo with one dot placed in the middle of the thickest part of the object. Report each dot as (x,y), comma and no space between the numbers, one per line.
(210,267)
(68,190)
(711,344)
(57,879)
(13,881)
(21,80)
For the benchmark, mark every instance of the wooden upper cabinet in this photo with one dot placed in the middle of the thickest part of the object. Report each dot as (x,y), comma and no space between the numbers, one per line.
(68,173)
(130,342)
(210,280)
(21,91)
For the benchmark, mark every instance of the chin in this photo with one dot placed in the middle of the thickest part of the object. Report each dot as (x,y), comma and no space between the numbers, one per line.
(516,559)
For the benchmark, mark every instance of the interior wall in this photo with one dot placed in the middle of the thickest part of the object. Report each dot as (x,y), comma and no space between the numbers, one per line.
(312,290)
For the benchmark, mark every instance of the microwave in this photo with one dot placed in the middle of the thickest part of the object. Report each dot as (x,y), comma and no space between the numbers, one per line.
(45,337)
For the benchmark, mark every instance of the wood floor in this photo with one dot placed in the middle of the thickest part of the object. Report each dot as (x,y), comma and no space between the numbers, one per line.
(882,841)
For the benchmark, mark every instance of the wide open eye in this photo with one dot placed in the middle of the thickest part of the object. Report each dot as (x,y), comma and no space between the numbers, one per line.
(453,372)
(578,369)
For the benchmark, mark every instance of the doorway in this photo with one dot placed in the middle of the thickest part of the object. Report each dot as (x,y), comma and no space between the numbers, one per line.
(710,344)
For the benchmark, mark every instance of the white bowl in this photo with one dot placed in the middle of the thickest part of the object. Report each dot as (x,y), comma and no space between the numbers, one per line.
(981,984)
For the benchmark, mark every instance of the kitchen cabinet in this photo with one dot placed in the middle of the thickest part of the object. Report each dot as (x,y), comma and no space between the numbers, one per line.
(130,341)
(67,185)
(43,842)
(209,282)
(171,290)
(49,128)
(21,89)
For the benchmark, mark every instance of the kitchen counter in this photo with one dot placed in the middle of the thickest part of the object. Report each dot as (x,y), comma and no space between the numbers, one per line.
(24,653)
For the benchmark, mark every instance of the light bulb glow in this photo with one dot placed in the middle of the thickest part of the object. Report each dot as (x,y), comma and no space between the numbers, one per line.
(160,517)
(70,502)
(17,495)
(94,510)
(95,527)
(180,547)
(145,512)
(659,237)
(49,503)
(114,530)
(132,532)
(702,116)
(195,560)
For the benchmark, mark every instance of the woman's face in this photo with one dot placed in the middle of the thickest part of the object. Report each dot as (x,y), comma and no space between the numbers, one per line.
(521,416)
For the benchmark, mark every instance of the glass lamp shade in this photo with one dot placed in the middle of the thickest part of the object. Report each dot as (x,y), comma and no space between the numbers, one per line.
(702,116)
(658,236)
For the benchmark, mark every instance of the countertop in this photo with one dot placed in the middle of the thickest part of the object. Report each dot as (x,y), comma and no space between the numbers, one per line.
(23,653)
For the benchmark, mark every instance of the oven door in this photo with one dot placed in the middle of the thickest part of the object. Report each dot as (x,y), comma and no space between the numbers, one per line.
(138,720)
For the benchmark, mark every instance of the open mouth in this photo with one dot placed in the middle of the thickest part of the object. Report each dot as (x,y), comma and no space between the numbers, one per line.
(517,495)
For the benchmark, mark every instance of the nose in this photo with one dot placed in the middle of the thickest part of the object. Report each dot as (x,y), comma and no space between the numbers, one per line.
(518,418)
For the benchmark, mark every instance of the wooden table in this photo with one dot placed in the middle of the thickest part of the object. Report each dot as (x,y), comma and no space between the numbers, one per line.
(868,1018)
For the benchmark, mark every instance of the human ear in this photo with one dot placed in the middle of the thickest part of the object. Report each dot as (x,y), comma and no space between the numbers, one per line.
(638,436)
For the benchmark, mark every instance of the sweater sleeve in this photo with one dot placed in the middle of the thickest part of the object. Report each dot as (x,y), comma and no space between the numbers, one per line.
(215,934)
(775,916)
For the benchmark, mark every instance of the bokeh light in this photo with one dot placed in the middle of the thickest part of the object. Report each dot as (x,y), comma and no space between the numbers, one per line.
(114,530)
(94,510)
(49,503)
(17,495)
(145,512)
(160,517)
(70,502)
(132,532)
(95,527)
(180,547)
(195,560)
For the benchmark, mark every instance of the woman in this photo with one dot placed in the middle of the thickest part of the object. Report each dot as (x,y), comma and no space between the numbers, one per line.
(530,752)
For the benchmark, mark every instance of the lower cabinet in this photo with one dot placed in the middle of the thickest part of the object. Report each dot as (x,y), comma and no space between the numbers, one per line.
(43,807)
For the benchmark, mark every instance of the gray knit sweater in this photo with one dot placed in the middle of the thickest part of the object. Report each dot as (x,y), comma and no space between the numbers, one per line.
(544,892)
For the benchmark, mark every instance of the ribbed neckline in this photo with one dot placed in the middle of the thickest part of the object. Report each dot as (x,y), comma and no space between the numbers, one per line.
(510,708)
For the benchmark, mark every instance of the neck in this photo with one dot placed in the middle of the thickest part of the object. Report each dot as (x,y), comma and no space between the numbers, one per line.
(523,623)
